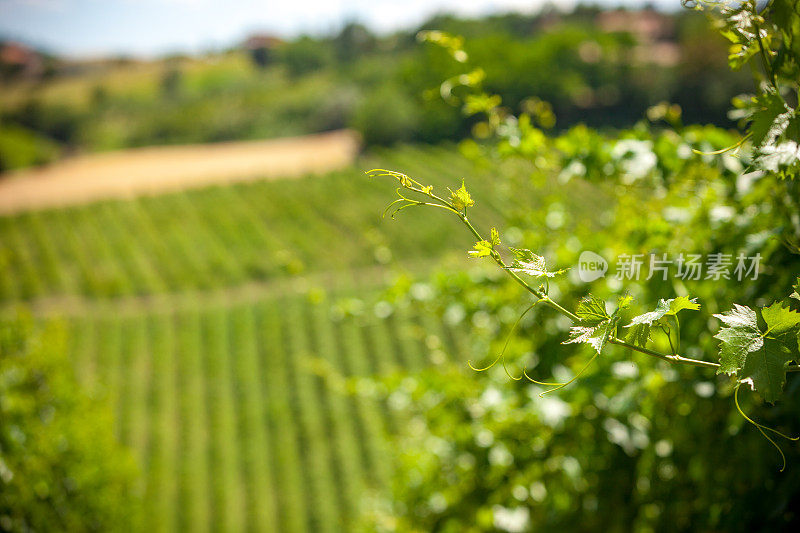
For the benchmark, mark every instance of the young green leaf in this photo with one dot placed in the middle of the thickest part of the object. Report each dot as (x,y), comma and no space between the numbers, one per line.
(770,117)
(485,248)
(529,263)
(592,310)
(639,334)
(460,198)
(758,358)
(495,237)
(780,319)
(741,28)
(598,324)
(740,338)
(640,325)
(481,249)
(765,370)
(623,302)
(796,287)
(680,303)
(597,336)
(648,318)
(782,158)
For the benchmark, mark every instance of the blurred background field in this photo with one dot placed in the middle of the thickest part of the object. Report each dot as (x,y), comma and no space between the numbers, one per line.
(211,333)
(274,355)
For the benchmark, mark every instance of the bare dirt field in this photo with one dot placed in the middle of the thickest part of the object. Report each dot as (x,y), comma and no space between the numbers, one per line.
(147,171)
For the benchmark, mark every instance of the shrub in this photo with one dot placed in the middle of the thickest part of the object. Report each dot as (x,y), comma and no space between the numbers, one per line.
(61,468)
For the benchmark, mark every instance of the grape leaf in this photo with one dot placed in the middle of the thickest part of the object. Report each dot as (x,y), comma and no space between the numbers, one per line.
(528,262)
(780,319)
(460,198)
(640,325)
(481,249)
(780,157)
(758,358)
(680,303)
(648,318)
(495,237)
(484,248)
(639,334)
(597,325)
(597,336)
(740,28)
(765,369)
(592,311)
(773,130)
(770,117)
(739,338)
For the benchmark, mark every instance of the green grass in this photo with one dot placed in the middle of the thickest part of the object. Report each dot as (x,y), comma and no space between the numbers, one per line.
(190,314)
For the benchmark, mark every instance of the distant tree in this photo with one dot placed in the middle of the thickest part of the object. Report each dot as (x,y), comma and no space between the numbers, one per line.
(305,55)
(386,116)
(262,56)
(21,147)
(352,42)
(58,121)
(99,95)
(171,82)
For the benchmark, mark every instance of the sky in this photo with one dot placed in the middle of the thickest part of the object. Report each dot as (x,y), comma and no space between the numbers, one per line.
(86,28)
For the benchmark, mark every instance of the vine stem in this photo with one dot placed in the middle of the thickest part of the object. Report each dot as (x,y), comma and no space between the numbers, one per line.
(572,316)
(764,60)
(544,298)
(499,260)
(670,358)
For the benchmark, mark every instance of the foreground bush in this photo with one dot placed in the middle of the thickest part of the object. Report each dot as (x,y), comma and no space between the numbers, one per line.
(604,411)
(61,468)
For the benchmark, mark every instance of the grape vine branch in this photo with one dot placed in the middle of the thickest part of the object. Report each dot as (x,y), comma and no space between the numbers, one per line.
(753,355)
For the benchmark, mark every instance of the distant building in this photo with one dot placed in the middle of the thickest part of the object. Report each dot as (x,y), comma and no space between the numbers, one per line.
(654,33)
(647,25)
(262,48)
(256,41)
(19,60)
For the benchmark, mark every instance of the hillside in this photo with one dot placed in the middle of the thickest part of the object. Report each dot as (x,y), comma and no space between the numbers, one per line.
(226,325)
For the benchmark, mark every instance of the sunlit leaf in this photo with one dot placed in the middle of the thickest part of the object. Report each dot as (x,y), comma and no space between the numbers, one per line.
(460,198)
(532,264)
(758,358)
(481,249)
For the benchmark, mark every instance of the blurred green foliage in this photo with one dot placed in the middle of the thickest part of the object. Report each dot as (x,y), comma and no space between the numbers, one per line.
(636,444)
(305,55)
(387,115)
(61,468)
(20,147)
